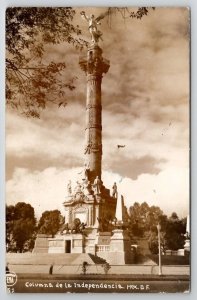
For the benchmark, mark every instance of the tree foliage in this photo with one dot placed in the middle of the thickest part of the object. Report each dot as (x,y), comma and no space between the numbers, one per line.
(126,12)
(31,84)
(175,232)
(143,223)
(22,232)
(50,222)
(143,217)
(20,227)
(140,12)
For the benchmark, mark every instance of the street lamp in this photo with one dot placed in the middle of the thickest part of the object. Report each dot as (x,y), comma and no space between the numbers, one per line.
(159,246)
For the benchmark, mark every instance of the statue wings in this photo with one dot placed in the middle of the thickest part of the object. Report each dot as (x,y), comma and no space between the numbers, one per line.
(101,16)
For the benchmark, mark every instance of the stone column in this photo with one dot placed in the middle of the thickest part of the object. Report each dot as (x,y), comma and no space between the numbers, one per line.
(92,215)
(70,219)
(89,216)
(94,66)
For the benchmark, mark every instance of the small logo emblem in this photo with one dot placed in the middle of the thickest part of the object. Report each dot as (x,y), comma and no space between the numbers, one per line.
(11,279)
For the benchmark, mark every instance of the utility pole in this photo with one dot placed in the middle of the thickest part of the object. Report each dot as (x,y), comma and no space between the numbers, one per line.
(159,246)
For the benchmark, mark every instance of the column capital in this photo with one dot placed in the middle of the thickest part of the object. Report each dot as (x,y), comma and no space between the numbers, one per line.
(93,63)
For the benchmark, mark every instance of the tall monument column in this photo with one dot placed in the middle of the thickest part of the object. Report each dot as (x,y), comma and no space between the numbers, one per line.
(94,66)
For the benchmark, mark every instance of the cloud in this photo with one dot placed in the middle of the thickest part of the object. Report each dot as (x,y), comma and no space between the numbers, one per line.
(57,134)
(46,190)
(135,166)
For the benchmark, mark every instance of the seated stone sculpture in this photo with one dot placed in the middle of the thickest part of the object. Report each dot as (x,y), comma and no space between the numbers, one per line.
(75,227)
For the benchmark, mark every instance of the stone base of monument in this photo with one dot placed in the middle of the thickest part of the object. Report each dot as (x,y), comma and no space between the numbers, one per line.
(120,248)
(41,243)
(67,243)
(187,246)
(103,238)
(115,249)
(90,242)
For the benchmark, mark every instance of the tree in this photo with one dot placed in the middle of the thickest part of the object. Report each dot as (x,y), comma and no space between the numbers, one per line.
(10,243)
(22,232)
(24,211)
(138,12)
(106,266)
(172,234)
(10,210)
(175,232)
(32,83)
(84,267)
(20,227)
(153,242)
(50,222)
(144,220)
(143,217)
(153,236)
(174,217)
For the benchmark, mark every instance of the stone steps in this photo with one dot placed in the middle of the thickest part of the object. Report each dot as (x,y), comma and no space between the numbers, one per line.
(97,260)
(49,258)
(64,263)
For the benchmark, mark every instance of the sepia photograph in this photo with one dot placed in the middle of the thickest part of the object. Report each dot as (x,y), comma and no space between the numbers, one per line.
(97,150)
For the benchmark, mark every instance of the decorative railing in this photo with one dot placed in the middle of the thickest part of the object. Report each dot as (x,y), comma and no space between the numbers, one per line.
(91,248)
(102,248)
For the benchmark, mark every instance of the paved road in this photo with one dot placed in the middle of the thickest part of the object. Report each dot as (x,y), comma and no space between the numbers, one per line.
(83,284)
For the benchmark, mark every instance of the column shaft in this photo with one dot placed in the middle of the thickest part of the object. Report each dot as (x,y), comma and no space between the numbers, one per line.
(94,66)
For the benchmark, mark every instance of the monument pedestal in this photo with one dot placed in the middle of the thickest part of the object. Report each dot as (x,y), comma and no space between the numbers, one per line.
(66,243)
(187,246)
(102,238)
(120,248)
(42,243)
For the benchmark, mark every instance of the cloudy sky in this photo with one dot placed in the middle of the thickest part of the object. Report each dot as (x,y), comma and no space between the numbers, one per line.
(145,98)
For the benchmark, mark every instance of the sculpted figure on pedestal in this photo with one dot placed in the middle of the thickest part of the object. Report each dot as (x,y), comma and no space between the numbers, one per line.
(78,187)
(97,185)
(69,188)
(85,172)
(92,26)
(114,190)
(87,188)
(75,227)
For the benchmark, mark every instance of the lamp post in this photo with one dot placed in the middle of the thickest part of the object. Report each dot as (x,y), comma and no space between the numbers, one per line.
(159,246)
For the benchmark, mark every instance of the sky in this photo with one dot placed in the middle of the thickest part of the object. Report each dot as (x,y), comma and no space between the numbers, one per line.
(145,100)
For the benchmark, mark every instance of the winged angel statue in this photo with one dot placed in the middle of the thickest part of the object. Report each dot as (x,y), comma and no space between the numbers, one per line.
(92,26)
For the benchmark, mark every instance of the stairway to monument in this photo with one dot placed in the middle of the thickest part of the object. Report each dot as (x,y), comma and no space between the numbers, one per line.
(52,258)
(63,263)
(97,260)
